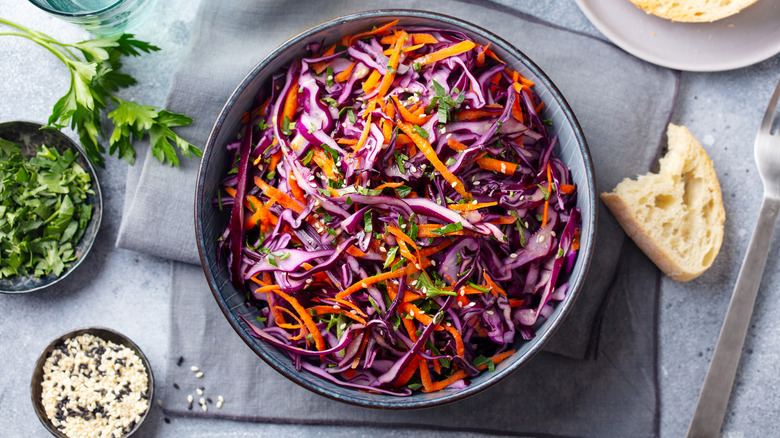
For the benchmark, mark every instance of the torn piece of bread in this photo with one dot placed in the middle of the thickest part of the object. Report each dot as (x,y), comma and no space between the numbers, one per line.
(675,216)
(694,11)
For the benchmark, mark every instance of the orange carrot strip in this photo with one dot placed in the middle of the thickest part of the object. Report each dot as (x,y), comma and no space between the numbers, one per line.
(321,310)
(287,326)
(481,56)
(453,50)
(504,167)
(410,329)
(282,198)
(492,284)
(409,116)
(389,184)
(408,373)
(392,65)
(566,188)
(427,252)
(430,153)
(389,51)
(575,243)
(456,145)
(364,134)
(348,40)
(291,102)
(362,284)
(325,163)
(490,53)
(372,81)
(425,376)
(425,233)
(470,115)
(471,206)
(515,302)
(517,112)
(296,189)
(423,38)
(404,250)
(503,220)
(275,159)
(321,66)
(547,201)
(458,375)
(343,76)
(306,318)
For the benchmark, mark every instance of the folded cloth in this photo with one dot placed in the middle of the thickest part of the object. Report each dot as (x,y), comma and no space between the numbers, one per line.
(623,105)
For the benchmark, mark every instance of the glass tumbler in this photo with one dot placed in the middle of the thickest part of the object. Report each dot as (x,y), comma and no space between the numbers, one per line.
(99,17)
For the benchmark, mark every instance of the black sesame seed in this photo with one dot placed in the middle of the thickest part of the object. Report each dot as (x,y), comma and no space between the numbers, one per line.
(176,385)
(180,361)
(167,420)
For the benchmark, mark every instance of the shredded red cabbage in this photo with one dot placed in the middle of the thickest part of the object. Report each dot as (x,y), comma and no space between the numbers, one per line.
(403,216)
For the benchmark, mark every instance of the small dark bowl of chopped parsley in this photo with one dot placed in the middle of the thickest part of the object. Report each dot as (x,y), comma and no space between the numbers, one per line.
(50,206)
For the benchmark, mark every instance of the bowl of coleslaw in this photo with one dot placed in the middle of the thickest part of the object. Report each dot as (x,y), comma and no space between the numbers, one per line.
(395,209)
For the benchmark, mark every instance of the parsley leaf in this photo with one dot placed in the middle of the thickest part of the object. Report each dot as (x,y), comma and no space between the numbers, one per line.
(94,66)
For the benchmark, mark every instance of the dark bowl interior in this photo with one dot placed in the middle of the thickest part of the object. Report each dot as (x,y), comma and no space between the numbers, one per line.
(30,136)
(105,334)
(210,222)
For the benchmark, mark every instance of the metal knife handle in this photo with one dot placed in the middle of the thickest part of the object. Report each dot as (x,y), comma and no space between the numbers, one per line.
(713,399)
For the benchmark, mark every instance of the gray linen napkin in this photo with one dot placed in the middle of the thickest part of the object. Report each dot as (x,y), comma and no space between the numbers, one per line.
(623,105)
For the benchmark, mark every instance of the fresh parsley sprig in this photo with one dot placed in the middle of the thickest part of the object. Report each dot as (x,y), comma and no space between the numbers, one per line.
(94,67)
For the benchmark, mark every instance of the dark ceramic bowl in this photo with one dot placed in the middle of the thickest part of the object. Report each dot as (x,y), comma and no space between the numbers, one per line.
(30,136)
(210,222)
(106,335)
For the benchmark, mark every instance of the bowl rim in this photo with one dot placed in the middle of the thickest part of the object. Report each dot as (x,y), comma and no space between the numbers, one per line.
(584,258)
(105,334)
(97,210)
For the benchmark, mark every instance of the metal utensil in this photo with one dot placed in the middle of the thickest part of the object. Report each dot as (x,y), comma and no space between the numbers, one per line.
(711,407)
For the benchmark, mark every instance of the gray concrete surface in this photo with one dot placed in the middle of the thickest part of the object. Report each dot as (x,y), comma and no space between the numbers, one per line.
(128,291)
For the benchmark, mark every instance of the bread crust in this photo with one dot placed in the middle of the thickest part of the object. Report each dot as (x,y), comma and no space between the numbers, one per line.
(634,205)
(693,11)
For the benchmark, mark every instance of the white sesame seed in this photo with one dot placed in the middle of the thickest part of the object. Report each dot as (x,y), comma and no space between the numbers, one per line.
(472,304)
(460,303)
(382,249)
(199,391)
(202,401)
(364,285)
(204,408)
(422,312)
(474,202)
(414,283)
(309,281)
(219,403)
(194,369)
(490,312)
(540,239)
(411,313)
(513,255)
(552,233)
(353,311)
(417,265)
(199,374)
(462,292)
(412,168)
(503,168)
(433,262)
(313,185)
(220,398)
(159,403)
(336,306)
(454,184)
(311,178)
(424,290)
(190,398)
(477,183)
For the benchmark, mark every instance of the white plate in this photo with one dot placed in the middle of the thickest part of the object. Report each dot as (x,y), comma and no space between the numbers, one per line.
(744,39)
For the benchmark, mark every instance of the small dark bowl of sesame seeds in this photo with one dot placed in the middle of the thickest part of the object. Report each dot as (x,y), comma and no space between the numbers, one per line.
(92,382)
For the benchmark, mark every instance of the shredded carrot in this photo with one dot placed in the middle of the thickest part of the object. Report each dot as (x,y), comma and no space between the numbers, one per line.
(515,302)
(282,198)
(425,231)
(490,53)
(425,376)
(408,116)
(321,310)
(459,375)
(402,237)
(517,112)
(392,65)
(456,145)
(503,220)
(423,38)
(348,40)
(430,153)
(287,326)
(296,190)
(389,184)
(362,284)
(547,200)
(427,252)
(343,76)
(321,66)
(275,159)
(476,114)
(291,102)
(453,50)
(481,56)
(324,161)
(470,206)
(408,373)
(575,243)
(492,284)
(504,167)
(364,134)
(566,188)
(371,82)
(306,318)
